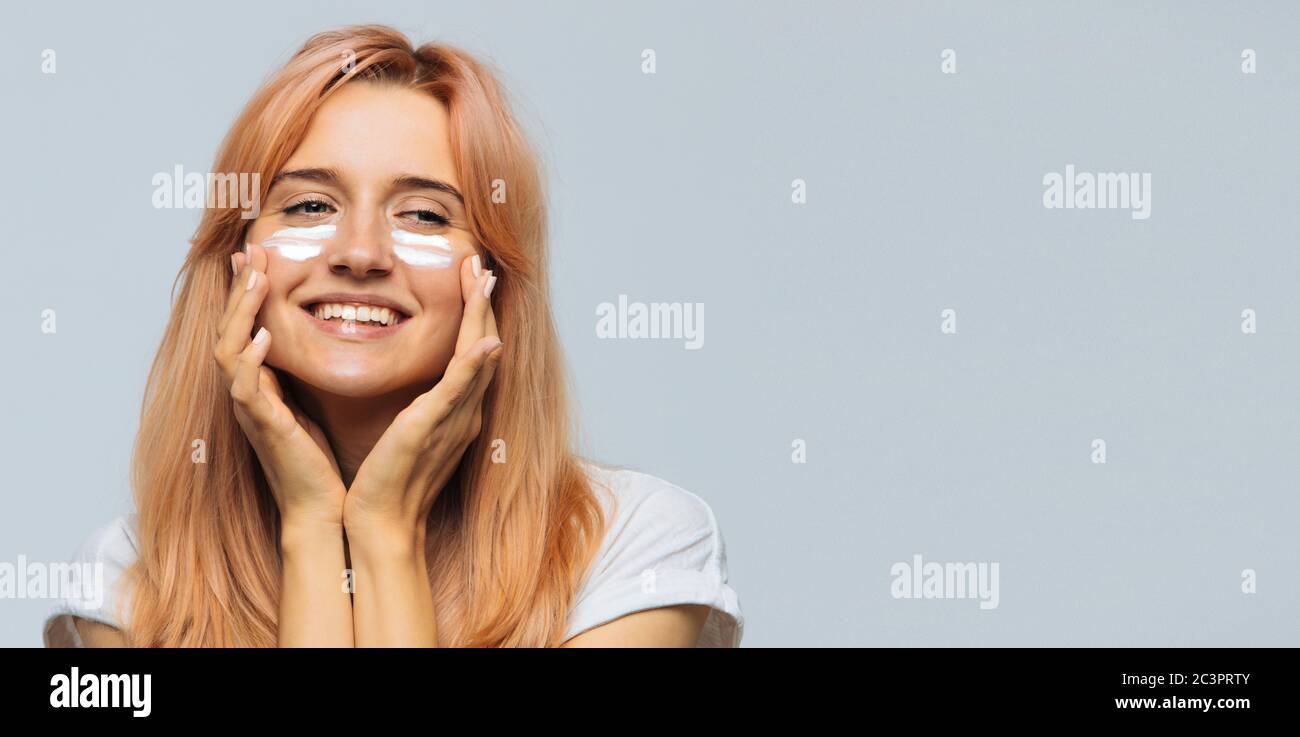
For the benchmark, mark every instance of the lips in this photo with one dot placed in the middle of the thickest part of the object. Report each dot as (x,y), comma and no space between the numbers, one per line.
(361,313)
(356,314)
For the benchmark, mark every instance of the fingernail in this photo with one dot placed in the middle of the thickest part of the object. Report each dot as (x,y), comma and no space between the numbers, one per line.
(233,268)
(487,288)
(477,263)
(252,281)
(260,338)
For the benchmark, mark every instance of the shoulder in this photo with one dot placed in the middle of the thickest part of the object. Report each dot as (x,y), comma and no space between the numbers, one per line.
(90,581)
(113,543)
(662,547)
(644,511)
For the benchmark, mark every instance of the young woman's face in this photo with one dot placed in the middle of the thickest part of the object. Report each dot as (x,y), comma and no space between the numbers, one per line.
(366,219)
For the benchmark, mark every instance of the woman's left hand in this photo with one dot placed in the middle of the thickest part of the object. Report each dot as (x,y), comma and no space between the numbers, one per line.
(397,484)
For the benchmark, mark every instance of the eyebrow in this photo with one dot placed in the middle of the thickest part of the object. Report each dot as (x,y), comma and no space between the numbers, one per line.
(405,181)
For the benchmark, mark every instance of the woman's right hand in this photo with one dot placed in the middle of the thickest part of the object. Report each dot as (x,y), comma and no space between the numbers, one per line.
(294,453)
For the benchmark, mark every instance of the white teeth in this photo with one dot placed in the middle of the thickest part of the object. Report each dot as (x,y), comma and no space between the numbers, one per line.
(356,312)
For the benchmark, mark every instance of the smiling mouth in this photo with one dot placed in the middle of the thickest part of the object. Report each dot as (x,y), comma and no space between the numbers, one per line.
(358,311)
(347,317)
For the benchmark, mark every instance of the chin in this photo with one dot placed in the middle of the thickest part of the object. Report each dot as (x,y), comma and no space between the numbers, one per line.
(354,387)
(356,382)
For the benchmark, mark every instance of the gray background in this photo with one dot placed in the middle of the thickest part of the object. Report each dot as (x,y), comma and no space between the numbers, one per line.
(822,320)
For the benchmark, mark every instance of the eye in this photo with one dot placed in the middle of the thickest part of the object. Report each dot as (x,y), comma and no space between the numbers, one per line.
(310,207)
(424,217)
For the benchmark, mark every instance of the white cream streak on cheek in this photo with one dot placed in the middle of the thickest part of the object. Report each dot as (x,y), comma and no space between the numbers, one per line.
(433,251)
(297,243)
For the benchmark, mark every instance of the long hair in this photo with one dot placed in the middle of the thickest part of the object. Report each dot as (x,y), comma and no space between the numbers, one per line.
(508,542)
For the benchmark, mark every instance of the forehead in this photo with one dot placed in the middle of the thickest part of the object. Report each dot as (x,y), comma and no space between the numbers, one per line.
(370,131)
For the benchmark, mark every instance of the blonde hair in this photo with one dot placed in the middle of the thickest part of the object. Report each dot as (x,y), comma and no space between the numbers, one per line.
(508,543)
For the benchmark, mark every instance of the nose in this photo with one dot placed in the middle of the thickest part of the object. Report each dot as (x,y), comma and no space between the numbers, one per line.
(360,251)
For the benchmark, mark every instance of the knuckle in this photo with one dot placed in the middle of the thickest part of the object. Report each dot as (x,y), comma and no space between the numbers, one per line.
(226,366)
(455,393)
(448,404)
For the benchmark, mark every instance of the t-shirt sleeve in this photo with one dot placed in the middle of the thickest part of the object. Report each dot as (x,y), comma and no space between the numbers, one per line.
(662,548)
(90,584)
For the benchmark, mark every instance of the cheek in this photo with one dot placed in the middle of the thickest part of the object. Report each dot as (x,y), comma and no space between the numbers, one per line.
(288,268)
(440,296)
(430,348)
(282,275)
(277,316)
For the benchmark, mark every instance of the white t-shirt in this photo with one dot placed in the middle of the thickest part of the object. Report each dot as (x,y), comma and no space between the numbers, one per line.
(662,547)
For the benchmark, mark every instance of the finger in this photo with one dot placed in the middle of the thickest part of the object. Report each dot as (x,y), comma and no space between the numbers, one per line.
(491,331)
(237,261)
(486,355)
(257,256)
(238,286)
(489,285)
(254,259)
(491,318)
(484,378)
(473,322)
(246,387)
(239,325)
(457,384)
(470,409)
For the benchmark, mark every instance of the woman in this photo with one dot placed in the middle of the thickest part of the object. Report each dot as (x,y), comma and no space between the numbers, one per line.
(354,432)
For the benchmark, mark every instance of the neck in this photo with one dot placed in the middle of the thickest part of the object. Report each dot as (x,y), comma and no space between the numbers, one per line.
(353,425)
